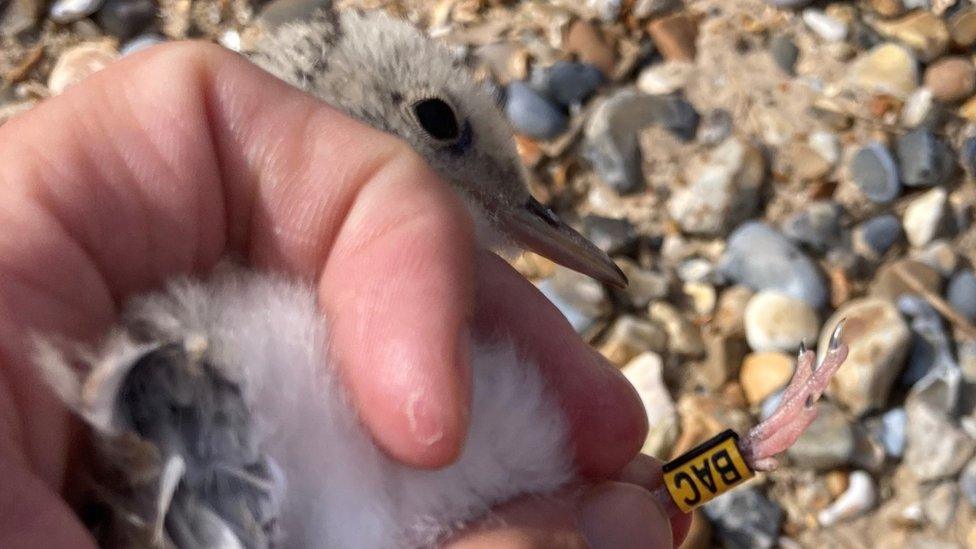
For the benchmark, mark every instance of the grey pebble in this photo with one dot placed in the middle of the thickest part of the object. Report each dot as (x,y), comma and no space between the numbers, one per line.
(760,257)
(745,519)
(873,170)
(784,52)
(568,83)
(877,235)
(827,443)
(931,345)
(967,155)
(533,114)
(961,293)
(715,127)
(817,225)
(68,11)
(126,18)
(893,431)
(924,159)
(613,236)
(937,447)
(610,138)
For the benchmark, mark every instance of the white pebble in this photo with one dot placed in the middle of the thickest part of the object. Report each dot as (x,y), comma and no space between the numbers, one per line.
(827,146)
(860,496)
(917,107)
(829,28)
(67,11)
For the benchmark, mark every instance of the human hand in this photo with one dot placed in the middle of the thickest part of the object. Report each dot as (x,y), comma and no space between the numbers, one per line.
(167,161)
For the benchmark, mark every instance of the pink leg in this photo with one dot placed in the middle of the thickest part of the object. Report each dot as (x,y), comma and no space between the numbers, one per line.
(797,409)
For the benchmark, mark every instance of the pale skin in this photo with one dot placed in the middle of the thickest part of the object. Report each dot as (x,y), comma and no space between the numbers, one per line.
(173,158)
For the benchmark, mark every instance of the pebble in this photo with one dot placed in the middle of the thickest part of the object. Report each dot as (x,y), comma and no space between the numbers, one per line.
(778,322)
(893,429)
(533,114)
(817,225)
(579,298)
(644,285)
(765,373)
(878,338)
(826,144)
(801,161)
(20,15)
(684,338)
(874,172)
(940,504)
(922,31)
(68,11)
(645,373)
(731,312)
(715,127)
(829,28)
(951,79)
(650,8)
(967,482)
(696,270)
(745,519)
(961,293)
(940,255)
(140,43)
(760,257)
(962,27)
(723,191)
(889,285)
(675,35)
(877,235)
(886,68)
(78,63)
(664,78)
(585,41)
(613,236)
(861,495)
(629,337)
(569,83)
(937,447)
(723,357)
(931,347)
(505,60)
(887,8)
(925,216)
(918,109)
(924,160)
(126,18)
(702,297)
(610,136)
(827,443)
(785,53)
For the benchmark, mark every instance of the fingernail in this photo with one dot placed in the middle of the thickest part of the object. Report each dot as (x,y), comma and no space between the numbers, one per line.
(619,515)
(426,425)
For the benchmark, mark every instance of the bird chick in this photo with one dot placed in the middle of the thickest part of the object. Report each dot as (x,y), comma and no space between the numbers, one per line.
(214,422)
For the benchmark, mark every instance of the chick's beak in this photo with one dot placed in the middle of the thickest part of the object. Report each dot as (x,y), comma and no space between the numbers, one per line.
(536,227)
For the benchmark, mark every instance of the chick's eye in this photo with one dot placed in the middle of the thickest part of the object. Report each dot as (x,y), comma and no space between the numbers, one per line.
(437,118)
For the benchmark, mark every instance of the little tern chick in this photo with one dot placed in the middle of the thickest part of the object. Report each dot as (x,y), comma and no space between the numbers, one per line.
(213,419)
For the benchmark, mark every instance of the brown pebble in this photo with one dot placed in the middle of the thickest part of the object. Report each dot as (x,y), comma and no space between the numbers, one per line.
(889,285)
(951,79)
(836,481)
(887,8)
(765,373)
(962,27)
(585,41)
(675,36)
